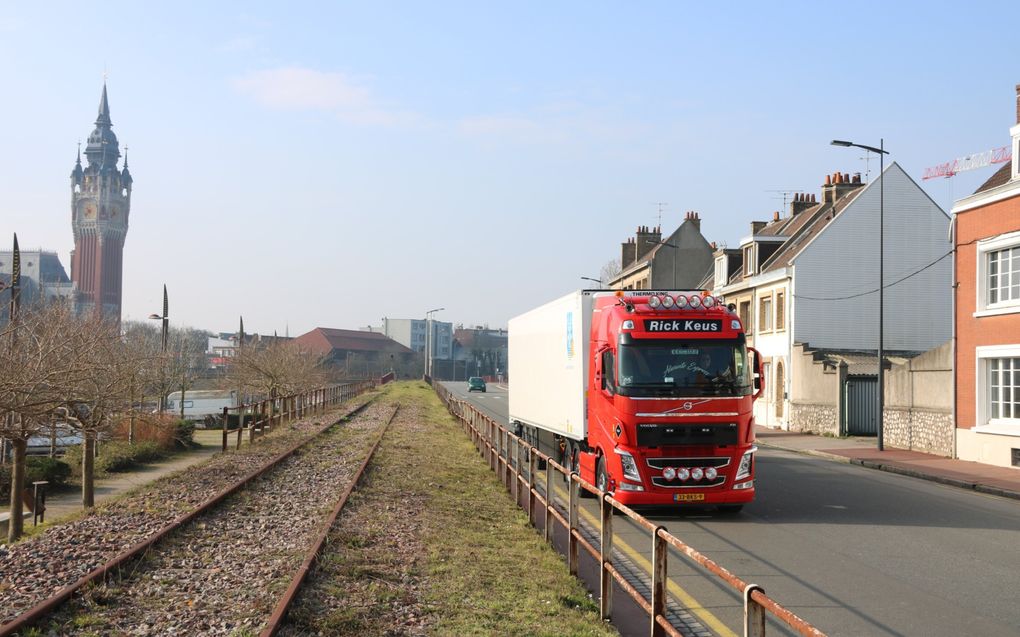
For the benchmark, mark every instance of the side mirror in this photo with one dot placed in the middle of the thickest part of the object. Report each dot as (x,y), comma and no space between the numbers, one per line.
(758,378)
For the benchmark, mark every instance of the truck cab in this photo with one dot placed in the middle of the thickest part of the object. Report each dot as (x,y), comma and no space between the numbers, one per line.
(669,400)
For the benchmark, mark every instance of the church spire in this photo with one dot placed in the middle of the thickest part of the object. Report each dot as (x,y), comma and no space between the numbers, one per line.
(102,149)
(104,110)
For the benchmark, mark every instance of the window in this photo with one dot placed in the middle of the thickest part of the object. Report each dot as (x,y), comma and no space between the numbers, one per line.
(998,275)
(1003,389)
(745,315)
(765,315)
(608,373)
(998,389)
(780,310)
(748,260)
(1004,276)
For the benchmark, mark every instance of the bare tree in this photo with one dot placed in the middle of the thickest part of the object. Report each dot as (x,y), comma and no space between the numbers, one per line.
(609,270)
(41,357)
(277,369)
(96,399)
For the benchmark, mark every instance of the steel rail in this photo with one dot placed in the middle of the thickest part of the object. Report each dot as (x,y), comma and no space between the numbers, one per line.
(280,612)
(51,603)
(756,602)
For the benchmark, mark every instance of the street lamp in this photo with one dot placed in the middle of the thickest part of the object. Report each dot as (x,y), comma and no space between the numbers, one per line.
(882,152)
(165,317)
(428,340)
(588,278)
(673,268)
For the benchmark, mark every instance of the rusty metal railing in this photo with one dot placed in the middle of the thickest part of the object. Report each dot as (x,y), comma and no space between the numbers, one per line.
(257,418)
(503,451)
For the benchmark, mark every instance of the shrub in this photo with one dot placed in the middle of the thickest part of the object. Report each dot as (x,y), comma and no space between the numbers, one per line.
(184,434)
(54,471)
(115,456)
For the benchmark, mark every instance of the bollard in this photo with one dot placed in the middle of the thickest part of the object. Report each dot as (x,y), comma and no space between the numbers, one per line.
(605,577)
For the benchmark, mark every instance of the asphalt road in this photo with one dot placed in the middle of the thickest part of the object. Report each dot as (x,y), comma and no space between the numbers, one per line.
(852,550)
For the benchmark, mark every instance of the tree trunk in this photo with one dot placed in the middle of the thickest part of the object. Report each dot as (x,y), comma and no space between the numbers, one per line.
(182,401)
(16,525)
(88,463)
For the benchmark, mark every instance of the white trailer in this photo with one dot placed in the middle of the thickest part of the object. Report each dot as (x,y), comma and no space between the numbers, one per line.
(200,404)
(548,365)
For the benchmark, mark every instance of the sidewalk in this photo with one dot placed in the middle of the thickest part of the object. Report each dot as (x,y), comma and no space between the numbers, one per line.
(65,503)
(1000,481)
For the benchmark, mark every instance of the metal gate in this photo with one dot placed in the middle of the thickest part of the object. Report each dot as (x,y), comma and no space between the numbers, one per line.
(861,400)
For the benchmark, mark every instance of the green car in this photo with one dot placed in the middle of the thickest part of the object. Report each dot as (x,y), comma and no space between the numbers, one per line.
(476,383)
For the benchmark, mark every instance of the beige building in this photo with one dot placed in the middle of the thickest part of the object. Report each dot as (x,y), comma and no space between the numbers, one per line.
(679,262)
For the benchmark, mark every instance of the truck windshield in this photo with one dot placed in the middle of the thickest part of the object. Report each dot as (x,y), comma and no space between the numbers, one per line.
(684,368)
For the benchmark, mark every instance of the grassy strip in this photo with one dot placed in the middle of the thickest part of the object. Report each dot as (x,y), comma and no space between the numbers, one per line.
(433,544)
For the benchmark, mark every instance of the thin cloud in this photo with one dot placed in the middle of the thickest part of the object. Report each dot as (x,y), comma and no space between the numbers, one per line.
(301,89)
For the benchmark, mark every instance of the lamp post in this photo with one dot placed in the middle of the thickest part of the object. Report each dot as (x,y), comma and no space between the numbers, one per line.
(428,340)
(882,152)
(165,317)
(588,278)
(673,266)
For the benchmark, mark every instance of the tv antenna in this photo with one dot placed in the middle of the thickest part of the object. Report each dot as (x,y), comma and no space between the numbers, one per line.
(786,194)
(661,205)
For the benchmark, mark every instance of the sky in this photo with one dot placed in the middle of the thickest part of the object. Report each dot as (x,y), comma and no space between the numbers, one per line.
(328,164)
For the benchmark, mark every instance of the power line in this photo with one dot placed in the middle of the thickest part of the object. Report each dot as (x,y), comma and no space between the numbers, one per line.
(888,285)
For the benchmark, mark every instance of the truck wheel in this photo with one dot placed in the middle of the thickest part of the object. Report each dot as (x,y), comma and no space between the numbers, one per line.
(601,477)
(730,508)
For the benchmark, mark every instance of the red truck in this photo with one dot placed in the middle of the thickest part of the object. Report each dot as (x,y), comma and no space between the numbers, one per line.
(647,394)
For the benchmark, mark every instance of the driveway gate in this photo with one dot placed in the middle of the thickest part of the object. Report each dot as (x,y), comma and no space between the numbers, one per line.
(861,398)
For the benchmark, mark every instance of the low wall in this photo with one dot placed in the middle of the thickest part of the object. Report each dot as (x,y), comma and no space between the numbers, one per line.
(929,431)
(814,418)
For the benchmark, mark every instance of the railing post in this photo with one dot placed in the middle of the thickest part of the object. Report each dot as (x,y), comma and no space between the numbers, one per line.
(251,431)
(226,418)
(606,558)
(532,468)
(548,501)
(240,424)
(659,561)
(516,455)
(754,614)
(574,490)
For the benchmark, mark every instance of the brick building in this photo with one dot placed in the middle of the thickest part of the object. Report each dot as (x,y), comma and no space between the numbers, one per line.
(987,316)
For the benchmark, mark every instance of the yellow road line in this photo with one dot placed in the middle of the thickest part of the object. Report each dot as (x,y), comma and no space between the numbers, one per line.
(704,615)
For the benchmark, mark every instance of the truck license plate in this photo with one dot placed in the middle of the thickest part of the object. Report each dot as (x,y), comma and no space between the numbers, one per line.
(688,497)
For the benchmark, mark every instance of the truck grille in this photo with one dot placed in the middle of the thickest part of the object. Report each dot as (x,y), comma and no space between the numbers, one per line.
(662,434)
(659,481)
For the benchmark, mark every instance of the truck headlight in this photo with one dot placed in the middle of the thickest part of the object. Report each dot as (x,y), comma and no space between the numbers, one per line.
(629,466)
(744,468)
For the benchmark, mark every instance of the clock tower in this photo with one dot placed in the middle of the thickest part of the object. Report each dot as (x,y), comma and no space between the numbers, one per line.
(100,203)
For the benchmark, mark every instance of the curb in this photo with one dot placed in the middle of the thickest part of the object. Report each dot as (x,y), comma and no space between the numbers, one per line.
(869,464)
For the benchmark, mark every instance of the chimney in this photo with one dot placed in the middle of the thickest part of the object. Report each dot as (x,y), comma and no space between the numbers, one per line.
(627,254)
(647,238)
(694,218)
(801,202)
(756,227)
(775,216)
(837,185)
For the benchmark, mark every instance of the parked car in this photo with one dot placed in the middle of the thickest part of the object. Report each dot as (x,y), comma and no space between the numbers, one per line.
(476,383)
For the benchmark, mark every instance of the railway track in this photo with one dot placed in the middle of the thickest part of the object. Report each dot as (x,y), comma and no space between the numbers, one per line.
(216,568)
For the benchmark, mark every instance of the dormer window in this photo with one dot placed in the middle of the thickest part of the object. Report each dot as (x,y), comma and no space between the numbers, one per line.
(749,260)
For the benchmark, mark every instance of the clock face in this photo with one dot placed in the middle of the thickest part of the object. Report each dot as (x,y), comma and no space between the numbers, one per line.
(89,211)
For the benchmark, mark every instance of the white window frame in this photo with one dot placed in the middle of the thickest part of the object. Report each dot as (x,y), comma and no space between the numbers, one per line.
(776,327)
(749,260)
(982,392)
(984,248)
(768,326)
